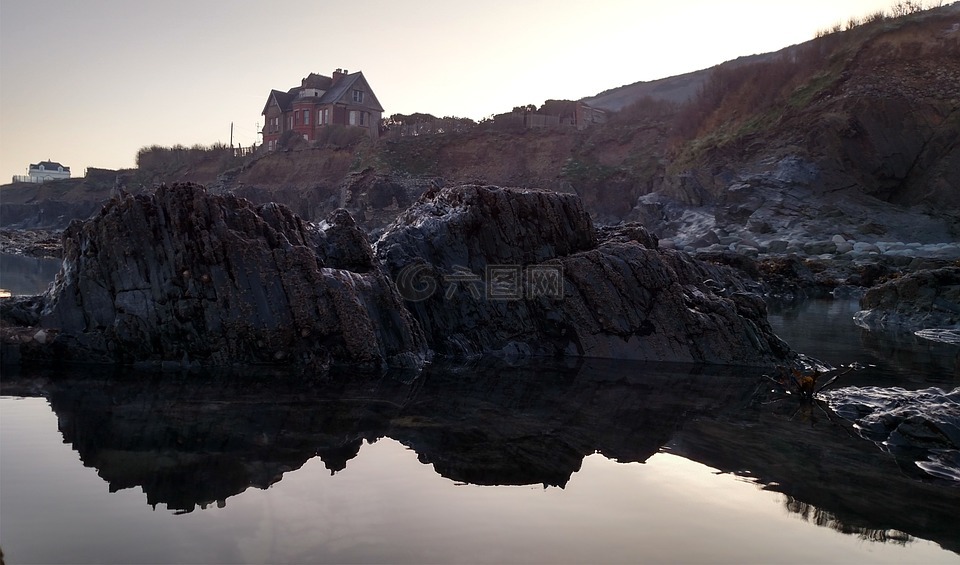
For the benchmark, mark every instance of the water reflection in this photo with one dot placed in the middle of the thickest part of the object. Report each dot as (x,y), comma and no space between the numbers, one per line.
(826,519)
(191,442)
(26,276)
(825,330)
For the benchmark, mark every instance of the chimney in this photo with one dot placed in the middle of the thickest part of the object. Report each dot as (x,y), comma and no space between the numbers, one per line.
(338,74)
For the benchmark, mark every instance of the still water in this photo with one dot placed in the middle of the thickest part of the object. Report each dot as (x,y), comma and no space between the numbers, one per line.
(549,462)
(21,275)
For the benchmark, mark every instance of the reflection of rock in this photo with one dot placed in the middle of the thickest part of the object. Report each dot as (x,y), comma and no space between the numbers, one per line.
(925,299)
(620,297)
(188,443)
(826,519)
(182,276)
(805,454)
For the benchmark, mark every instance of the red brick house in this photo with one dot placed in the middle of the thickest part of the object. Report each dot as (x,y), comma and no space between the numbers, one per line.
(344,99)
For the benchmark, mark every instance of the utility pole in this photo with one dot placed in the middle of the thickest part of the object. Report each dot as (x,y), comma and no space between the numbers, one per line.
(231,135)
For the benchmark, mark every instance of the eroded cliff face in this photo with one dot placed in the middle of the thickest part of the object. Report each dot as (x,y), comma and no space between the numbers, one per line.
(855,133)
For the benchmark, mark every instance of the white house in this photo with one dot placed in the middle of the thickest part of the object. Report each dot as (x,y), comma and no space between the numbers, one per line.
(44,171)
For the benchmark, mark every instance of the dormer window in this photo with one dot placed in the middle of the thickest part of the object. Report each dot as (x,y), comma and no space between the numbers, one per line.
(358,96)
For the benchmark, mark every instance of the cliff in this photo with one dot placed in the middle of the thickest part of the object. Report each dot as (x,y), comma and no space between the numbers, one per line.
(855,133)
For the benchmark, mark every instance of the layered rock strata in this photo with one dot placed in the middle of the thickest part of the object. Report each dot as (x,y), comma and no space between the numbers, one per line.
(519,271)
(184,276)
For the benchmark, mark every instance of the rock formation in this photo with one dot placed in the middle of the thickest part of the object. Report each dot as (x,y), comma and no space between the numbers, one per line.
(182,277)
(186,277)
(519,271)
(927,299)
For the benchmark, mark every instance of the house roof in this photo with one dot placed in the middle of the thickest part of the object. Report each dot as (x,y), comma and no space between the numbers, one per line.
(48,165)
(314,80)
(281,98)
(335,91)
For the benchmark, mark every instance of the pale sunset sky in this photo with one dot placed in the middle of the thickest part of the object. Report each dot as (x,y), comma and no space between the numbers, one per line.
(88,83)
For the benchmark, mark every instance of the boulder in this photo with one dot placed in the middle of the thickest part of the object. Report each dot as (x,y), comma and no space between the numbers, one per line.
(920,300)
(819,247)
(777,246)
(187,277)
(520,271)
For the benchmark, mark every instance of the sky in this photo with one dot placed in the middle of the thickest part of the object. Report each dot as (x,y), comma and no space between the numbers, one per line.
(88,83)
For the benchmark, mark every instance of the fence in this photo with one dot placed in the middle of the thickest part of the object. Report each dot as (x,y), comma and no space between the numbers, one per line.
(28,178)
(244,151)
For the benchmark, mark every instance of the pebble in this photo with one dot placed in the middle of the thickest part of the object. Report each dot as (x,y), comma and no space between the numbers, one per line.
(777,246)
(861,247)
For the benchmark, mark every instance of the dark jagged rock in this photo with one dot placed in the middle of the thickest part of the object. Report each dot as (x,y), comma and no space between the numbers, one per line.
(920,300)
(375,199)
(183,277)
(187,277)
(519,271)
(921,428)
(32,243)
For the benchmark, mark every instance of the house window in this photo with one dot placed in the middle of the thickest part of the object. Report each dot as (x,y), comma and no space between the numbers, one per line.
(326,115)
(358,96)
(289,122)
(306,117)
(358,118)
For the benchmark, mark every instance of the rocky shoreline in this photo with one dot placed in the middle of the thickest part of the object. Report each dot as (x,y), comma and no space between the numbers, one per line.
(31,242)
(215,262)
(183,278)
(784,273)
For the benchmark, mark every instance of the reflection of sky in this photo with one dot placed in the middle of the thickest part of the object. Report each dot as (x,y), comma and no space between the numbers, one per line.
(388,507)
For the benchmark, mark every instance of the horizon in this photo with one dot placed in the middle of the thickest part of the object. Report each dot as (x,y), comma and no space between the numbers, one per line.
(90,86)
